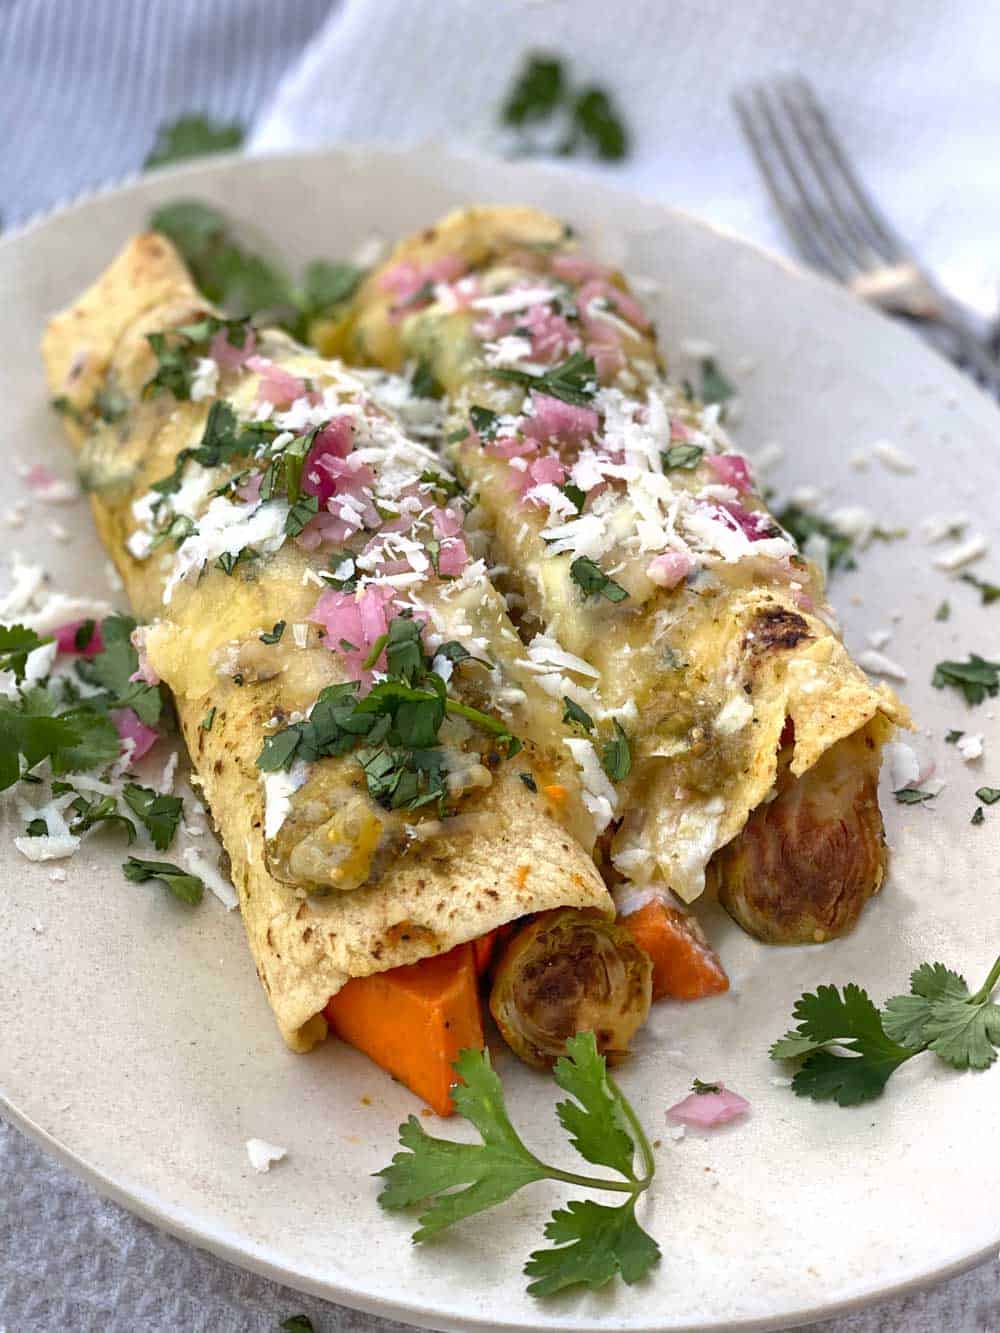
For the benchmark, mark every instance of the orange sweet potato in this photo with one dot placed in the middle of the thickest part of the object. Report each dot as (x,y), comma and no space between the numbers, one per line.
(685,966)
(414,1020)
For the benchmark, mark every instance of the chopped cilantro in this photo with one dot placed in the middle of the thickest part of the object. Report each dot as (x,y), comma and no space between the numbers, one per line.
(192,136)
(529,781)
(393,729)
(913,795)
(274,635)
(101,810)
(16,642)
(159,813)
(445,486)
(686,456)
(616,755)
(306,507)
(574,494)
(66,408)
(976,678)
(988,592)
(484,422)
(702,1089)
(177,351)
(715,388)
(423,384)
(574,381)
(188,888)
(325,285)
(943,612)
(988,795)
(37,828)
(953,736)
(978,817)
(574,715)
(593,582)
(110,404)
(208,721)
(592,1243)
(229,560)
(297,1323)
(801,524)
(112,668)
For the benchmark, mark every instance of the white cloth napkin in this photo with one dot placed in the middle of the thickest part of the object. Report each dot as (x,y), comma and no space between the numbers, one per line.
(911,87)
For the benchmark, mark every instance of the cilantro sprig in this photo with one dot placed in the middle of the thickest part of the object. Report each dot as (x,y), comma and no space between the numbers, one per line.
(177,351)
(192,136)
(245,283)
(592,1243)
(188,888)
(586,119)
(849,1049)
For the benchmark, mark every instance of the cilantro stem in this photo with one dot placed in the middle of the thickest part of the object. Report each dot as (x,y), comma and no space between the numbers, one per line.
(639,1135)
(986,989)
(474,715)
(634,1186)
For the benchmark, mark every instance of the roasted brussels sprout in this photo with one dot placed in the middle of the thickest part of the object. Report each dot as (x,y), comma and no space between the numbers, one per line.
(806,862)
(565,972)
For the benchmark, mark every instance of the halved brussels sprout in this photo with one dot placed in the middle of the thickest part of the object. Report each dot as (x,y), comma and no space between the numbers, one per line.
(806,863)
(565,972)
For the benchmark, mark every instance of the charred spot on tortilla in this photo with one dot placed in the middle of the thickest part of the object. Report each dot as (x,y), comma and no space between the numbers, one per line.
(776,627)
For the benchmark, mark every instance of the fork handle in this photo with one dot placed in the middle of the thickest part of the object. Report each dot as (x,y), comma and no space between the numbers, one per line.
(904,290)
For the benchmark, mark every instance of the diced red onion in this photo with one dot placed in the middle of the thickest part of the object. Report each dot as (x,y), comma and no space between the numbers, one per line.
(732,470)
(65,637)
(708,1109)
(131,728)
(669,569)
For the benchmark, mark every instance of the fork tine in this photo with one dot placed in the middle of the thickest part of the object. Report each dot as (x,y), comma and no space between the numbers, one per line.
(823,239)
(882,236)
(851,229)
(800,234)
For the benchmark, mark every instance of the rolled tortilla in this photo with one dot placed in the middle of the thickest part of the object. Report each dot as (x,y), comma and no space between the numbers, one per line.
(520,842)
(713,646)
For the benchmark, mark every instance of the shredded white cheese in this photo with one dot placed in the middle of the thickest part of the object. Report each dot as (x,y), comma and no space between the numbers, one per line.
(262,1154)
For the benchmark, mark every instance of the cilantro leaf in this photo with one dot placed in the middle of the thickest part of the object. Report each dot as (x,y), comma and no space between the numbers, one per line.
(192,136)
(597,121)
(593,582)
(306,507)
(574,381)
(529,781)
(975,678)
(103,810)
(943,612)
(703,1089)
(488,1172)
(423,383)
(847,1021)
(325,285)
(988,795)
(573,714)
(715,388)
(616,755)
(801,524)
(160,813)
(273,635)
(977,816)
(595,1121)
(95,741)
(593,1243)
(16,642)
(953,736)
(964,1034)
(913,796)
(188,888)
(988,592)
(452,1181)
(536,92)
(297,1323)
(484,422)
(110,670)
(686,456)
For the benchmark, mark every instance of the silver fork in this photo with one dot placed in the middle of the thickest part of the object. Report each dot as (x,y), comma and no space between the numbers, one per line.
(837,226)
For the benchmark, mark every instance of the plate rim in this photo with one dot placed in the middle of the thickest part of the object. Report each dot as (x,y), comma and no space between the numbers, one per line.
(176,1220)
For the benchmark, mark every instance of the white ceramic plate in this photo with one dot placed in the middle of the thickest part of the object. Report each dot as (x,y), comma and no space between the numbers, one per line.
(137,1046)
